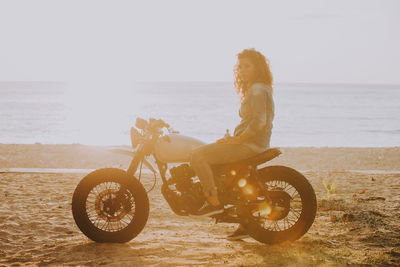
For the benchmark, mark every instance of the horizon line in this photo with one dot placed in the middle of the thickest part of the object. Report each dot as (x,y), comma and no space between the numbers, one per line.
(215,81)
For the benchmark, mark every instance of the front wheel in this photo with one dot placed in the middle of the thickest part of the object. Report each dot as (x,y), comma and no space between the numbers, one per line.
(110,206)
(291,210)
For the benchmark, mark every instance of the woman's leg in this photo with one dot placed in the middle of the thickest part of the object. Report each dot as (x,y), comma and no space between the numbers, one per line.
(215,153)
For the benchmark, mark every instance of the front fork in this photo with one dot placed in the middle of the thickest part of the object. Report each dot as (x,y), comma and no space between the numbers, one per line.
(134,165)
(143,150)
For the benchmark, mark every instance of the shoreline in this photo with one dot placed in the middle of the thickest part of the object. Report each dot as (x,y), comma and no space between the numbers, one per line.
(77,156)
(147,171)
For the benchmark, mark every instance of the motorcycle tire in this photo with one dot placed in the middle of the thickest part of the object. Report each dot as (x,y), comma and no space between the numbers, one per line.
(285,175)
(110,177)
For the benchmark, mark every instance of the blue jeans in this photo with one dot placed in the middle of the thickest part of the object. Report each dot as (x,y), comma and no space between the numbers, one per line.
(203,157)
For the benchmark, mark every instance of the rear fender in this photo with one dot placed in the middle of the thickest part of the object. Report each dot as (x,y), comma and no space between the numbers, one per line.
(272,170)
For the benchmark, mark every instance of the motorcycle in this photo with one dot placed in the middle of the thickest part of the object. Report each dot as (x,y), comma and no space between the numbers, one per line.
(272,203)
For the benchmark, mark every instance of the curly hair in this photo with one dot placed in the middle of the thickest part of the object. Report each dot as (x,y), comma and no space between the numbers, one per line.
(263,72)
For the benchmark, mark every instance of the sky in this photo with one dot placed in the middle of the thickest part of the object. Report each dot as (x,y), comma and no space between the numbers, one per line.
(126,41)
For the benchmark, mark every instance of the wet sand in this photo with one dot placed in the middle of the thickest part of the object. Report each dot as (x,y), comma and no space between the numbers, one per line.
(356,224)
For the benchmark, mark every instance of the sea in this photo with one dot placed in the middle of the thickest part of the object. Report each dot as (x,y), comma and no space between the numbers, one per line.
(97,113)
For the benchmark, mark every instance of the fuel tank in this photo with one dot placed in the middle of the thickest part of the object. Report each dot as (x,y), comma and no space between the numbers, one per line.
(174,148)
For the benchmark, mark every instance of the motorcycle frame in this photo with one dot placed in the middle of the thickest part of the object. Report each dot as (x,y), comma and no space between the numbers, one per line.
(146,149)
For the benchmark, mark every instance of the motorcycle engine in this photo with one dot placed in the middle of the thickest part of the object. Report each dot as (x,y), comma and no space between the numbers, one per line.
(191,192)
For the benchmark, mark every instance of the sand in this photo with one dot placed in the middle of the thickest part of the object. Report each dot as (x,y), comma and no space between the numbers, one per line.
(356,224)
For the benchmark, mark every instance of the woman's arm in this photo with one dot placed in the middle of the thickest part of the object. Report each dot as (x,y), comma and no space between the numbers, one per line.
(258,105)
(235,139)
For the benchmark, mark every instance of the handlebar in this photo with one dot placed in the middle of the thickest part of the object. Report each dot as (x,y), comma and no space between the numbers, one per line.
(152,128)
(158,123)
(151,124)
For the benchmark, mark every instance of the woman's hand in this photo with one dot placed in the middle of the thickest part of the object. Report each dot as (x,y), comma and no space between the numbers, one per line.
(235,139)
(230,140)
(221,141)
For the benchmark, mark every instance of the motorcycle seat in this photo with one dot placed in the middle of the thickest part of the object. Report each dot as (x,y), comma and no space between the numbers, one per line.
(265,156)
(254,161)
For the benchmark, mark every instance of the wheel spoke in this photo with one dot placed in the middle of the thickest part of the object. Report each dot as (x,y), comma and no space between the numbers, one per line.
(101,209)
(275,225)
(293,211)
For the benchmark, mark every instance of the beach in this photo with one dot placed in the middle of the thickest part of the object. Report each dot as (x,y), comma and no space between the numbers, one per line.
(357,223)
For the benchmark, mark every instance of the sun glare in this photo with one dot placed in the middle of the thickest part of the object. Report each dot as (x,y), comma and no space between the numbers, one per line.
(242,182)
(96,115)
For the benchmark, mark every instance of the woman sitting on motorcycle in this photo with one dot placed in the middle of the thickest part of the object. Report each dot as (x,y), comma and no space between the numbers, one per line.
(253,81)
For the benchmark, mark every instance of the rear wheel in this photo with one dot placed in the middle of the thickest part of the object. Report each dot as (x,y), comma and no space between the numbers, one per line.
(291,212)
(110,206)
